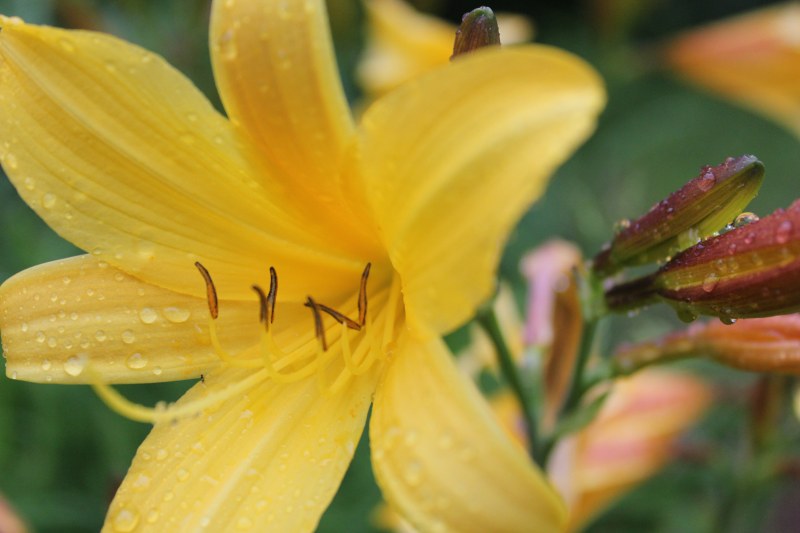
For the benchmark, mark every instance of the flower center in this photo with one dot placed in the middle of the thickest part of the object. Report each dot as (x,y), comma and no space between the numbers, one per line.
(351,351)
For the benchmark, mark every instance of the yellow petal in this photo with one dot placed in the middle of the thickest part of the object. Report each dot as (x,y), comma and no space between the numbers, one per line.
(442,459)
(269,460)
(69,320)
(628,442)
(277,76)
(752,58)
(450,161)
(120,154)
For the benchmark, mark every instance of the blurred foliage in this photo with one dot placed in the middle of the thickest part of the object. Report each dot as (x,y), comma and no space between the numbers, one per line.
(62,452)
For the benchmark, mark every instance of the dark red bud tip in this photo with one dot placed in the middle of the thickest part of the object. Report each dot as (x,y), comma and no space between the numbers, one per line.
(478,29)
(750,271)
(698,209)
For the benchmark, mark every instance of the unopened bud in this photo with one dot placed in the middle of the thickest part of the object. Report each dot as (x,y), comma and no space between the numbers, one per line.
(750,271)
(698,209)
(478,29)
(757,345)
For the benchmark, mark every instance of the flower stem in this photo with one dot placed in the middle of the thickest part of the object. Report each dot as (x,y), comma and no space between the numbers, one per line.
(577,386)
(488,321)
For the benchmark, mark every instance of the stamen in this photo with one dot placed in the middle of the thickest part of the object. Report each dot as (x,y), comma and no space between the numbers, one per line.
(319,329)
(273,293)
(339,317)
(263,309)
(211,291)
(118,403)
(362,295)
(224,356)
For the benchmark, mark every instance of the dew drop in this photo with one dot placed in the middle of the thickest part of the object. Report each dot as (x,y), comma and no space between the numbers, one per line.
(161,454)
(125,520)
(11,161)
(29,184)
(75,365)
(148,315)
(783,232)
(14,375)
(182,474)
(744,219)
(24,327)
(710,282)
(141,482)
(227,46)
(707,181)
(40,337)
(685,314)
(100,335)
(157,371)
(413,473)
(52,342)
(48,200)
(136,361)
(152,516)
(46,365)
(749,238)
(176,315)
(128,336)
(727,320)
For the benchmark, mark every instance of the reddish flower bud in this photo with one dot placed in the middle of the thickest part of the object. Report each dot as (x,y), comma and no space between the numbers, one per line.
(750,271)
(478,29)
(698,209)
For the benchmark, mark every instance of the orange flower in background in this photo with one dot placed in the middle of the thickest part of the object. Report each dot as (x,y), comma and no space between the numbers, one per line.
(631,439)
(10,522)
(122,156)
(753,59)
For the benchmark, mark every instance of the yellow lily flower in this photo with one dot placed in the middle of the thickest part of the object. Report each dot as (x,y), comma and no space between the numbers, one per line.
(123,156)
(403,43)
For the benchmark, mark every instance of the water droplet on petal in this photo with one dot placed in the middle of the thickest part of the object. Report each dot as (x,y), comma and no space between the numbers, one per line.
(74,365)
(40,337)
(707,181)
(136,361)
(100,335)
(125,520)
(148,315)
(29,184)
(176,314)
(182,474)
(244,523)
(46,365)
(227,46)
(152,516)
(10,161)
(128,336)
(784,232)
(66,45)
(710,282)
(413,473)
(48,200)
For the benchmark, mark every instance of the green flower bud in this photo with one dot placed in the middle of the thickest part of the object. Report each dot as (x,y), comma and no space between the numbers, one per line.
(698,209)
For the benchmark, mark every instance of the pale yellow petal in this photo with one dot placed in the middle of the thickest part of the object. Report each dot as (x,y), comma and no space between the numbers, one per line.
(277,76)
(124,157)
(267,460)
(449,162)
(442,459)
(80,319)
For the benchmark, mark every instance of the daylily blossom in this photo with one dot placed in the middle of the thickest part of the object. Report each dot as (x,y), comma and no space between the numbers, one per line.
(121,155)
(751,58)
(403,43)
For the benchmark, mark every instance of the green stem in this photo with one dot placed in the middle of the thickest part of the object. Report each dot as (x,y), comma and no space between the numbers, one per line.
(576,386)
(488,321)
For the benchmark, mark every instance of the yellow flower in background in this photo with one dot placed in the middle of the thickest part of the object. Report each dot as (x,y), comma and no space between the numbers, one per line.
(122,155)
(753,59)
(403,43)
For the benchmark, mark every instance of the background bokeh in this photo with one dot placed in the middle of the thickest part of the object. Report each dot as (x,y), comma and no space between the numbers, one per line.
(62,452)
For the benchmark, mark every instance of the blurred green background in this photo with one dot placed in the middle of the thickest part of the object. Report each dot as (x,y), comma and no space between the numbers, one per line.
(62,452)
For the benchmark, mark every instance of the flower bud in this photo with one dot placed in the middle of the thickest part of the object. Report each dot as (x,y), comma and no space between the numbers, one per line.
(478,29)
(698,209)
(757,345)
(750,271)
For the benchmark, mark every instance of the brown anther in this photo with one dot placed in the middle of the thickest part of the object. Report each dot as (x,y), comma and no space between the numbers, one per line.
(319,330)
(339,317)
(211,291)
(263,306)
(362,296)
(273,293)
